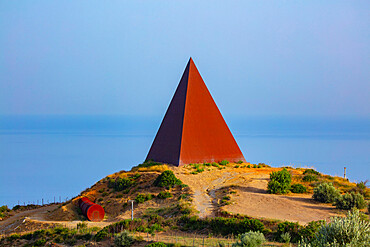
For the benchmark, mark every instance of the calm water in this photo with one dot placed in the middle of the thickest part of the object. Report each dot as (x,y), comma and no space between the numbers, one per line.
(59,156)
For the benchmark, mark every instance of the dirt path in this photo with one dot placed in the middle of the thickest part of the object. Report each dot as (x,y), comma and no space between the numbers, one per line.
(36,217)
(251,198)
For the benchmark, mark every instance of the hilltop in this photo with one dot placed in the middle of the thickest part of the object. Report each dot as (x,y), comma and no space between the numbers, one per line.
(205,191)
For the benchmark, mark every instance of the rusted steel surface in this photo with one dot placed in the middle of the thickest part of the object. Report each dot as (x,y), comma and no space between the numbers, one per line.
(193,129)
(92,211)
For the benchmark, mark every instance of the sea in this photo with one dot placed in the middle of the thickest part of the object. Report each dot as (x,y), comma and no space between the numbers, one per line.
(52,158)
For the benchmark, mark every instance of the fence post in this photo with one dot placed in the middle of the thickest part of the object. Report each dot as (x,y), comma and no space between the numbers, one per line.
(203,241)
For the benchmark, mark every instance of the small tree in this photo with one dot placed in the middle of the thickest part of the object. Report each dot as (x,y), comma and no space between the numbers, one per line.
(279,182)
(325,192)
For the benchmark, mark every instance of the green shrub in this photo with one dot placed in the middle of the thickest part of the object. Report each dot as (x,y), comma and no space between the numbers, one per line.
(123,239)
(4,208)
(250,239)
(349,201)
(81,225)
(285,237)
(240,162)
(298,188)
(14,237)
(248,166)
(120,184)
(325,192)
(292,228)
(279,182)
(40,242)
(164,195)
(220,225)
(140,198)
(311,171)
(157,244)
(223,163)
(310,178)
(101,235)
(149,163)
(167,179)
(341,231)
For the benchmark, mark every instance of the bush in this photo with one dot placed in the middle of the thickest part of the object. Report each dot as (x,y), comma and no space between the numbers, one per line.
(14,237)
(120,184)
(279,182)
(347,231)
(240,162)
(224,163)
(4,208)
(149,163)
(39,242)
(157,244)
(101,235)
(311,171)
(288,227)
(140,198)
(223,226)
(285,237)
(123,239)
(167,179)
(164,195)
(350,200)
(310,178)
(250,239)
(325,192)
(298,188)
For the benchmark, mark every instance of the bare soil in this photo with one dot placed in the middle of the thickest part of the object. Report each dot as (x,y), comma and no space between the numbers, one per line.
(251,197)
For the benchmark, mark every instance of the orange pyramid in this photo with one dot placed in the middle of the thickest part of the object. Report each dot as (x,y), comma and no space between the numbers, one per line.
(193,129)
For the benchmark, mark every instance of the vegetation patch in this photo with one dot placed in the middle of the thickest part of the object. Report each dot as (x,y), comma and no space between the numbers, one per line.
(120,184)
(164,195)
(298,188)
(279,182)
(140,198)
(310,178)
(220,225)
(341,231)
(349,201)
(167,179)
(326,193)
(250,239)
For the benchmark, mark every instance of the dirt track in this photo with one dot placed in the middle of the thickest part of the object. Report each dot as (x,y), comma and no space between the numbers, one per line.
(251,198)
(35,217)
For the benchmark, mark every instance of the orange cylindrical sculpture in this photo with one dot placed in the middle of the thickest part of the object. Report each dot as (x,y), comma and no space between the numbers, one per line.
(92,211)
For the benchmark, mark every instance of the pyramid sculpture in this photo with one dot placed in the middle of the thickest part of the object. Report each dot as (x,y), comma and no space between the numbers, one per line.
(193,129)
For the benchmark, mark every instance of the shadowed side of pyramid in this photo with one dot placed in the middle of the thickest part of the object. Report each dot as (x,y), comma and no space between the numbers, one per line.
(167,143)
(193,129)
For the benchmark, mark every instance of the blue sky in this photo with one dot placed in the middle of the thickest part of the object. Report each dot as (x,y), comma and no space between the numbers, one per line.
(126,57)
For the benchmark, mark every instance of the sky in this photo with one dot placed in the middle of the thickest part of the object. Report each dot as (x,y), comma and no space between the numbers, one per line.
(126,57)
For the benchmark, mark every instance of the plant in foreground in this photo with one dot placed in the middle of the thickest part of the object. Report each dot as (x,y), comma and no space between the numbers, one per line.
(350,200)
(250,239)
(123,239)
(325,192)
(350,231)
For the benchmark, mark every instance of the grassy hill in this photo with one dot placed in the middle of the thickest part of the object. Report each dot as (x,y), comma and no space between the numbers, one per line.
(224,199)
